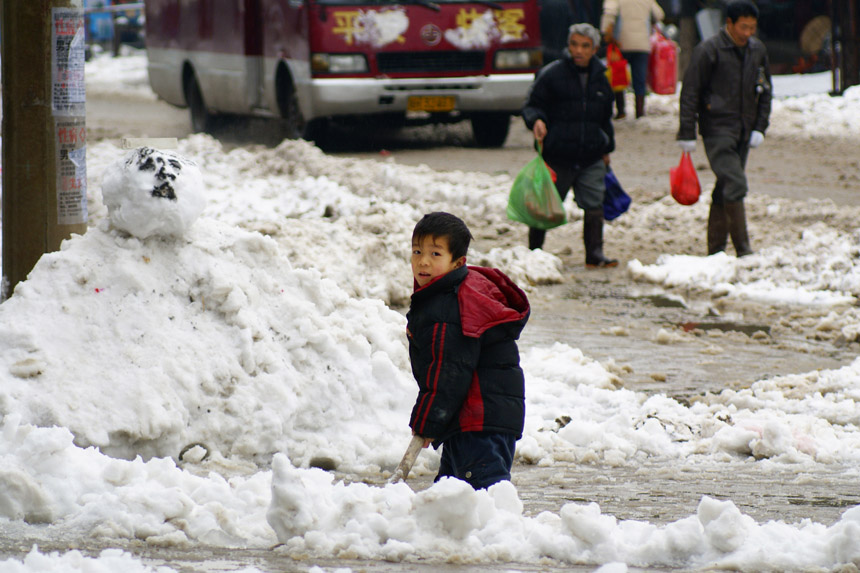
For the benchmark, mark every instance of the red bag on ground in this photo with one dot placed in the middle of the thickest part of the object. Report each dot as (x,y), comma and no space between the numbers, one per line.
(662,65)
(616,68)
(685,181)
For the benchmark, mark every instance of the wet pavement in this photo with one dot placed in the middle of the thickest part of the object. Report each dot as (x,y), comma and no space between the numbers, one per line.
(675,344)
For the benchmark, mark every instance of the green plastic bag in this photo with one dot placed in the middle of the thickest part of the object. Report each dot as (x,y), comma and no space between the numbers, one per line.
(534,200)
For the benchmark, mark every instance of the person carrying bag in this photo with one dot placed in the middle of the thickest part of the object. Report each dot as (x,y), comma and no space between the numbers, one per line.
(569,111)
(634,39)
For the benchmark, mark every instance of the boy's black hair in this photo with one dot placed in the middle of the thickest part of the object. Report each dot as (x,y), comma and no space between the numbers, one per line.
(740,8)
(441,224)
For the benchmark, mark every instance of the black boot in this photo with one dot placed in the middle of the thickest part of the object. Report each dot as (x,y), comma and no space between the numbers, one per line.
(737,222)
(718,229)
(536,237)
(640,106)
(592,234)
(619,104)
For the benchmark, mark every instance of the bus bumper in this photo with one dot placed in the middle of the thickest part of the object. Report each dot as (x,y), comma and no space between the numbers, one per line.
(368,96)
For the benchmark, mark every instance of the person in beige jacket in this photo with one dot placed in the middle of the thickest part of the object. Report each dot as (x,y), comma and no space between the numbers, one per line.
(628,23)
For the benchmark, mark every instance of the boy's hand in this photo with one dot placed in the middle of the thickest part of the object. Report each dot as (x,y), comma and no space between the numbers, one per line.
(427,441)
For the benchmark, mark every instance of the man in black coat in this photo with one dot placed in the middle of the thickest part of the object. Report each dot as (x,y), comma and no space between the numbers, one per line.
(569,110)
(727,90)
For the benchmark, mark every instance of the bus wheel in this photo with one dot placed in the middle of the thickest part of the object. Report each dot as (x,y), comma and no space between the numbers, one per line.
(201,120)
(288,102)
(491,129)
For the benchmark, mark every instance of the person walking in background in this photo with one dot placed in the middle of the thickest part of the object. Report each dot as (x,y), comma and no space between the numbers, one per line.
(556,17)
(727,91)
(569,110)
(628,23)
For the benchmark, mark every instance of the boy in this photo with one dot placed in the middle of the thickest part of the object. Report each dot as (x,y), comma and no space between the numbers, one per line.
(462,325)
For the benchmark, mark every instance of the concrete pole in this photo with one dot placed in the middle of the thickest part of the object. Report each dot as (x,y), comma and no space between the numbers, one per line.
(44,132)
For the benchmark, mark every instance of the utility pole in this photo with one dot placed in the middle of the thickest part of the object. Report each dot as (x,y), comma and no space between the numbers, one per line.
(845,46)
(44,131)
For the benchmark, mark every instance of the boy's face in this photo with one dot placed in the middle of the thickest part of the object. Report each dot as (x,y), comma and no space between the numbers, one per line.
(431,259)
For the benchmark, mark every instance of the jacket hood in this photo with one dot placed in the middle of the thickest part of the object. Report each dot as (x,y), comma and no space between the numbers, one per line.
(489,298)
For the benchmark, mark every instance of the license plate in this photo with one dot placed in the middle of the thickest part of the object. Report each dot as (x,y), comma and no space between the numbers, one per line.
(430,103)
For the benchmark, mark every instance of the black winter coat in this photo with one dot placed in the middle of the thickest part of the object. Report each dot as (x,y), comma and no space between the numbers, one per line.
(462,331)
(727,89)
(579,123)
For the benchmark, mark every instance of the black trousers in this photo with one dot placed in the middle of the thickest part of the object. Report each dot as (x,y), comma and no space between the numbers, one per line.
(479,458)
(728,158)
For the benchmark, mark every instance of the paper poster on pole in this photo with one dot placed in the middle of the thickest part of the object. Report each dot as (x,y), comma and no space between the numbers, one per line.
(71,139)
(67,62)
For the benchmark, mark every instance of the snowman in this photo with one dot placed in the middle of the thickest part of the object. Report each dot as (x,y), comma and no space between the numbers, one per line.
(151,192)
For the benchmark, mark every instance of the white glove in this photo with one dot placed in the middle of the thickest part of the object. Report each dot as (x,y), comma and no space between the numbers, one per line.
(756,138)
(688,145)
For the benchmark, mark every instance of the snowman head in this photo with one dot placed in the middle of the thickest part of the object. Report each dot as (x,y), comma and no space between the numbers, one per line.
(153,192)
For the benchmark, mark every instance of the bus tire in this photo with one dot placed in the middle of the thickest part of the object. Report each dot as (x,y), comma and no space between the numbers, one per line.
(288,104)
(491,129)
(201,120)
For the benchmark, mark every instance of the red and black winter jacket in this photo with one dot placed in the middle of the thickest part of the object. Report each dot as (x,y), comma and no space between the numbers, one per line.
(462,330)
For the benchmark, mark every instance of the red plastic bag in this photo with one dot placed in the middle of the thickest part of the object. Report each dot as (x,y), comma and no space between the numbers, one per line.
(662,65)
(616,68)
(685,181)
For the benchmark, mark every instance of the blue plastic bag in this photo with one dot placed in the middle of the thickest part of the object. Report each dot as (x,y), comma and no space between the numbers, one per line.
(615,200)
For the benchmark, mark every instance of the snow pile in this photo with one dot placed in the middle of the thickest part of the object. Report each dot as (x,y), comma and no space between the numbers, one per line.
(109,561)
(46,479)
(821,269)
(313,515)
(125,75)
(142,347)
(318,206)
(795,111)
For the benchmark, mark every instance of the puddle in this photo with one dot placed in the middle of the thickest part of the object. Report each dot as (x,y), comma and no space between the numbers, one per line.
(748,329)
(823,501)
(663,300)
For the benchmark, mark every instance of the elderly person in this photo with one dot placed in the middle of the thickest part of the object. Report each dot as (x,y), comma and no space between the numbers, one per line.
(569,110)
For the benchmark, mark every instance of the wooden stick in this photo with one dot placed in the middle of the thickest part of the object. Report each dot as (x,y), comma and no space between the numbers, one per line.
(412,451)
